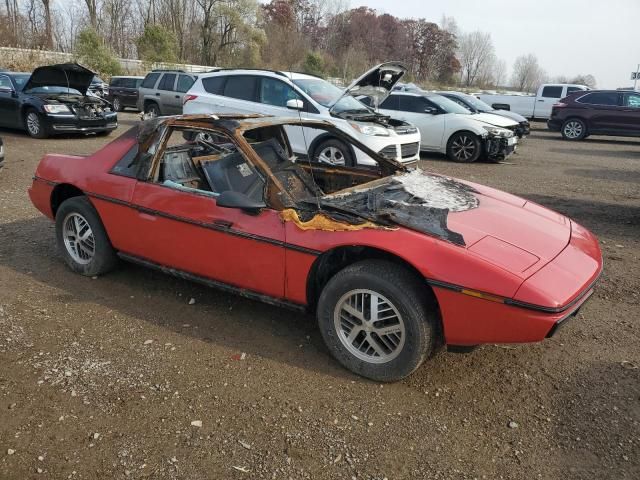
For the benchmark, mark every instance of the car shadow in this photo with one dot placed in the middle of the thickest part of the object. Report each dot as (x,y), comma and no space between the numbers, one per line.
(591,140)
(597,413)
(600,217)
(599,153)
(630,176)
(236,323)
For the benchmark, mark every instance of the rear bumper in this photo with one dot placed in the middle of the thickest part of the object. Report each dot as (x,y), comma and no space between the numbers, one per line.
(554,124)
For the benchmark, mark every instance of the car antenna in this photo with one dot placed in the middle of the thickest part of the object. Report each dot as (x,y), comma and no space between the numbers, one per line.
(306,146)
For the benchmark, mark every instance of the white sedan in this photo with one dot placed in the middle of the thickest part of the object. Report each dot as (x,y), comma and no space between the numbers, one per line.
(449,128)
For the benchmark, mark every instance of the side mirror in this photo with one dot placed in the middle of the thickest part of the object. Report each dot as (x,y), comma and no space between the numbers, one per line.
(431,111)
(7,90)
(295,104)
(231,199)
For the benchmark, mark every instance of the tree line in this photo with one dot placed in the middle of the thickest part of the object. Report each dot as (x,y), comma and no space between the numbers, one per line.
(322,37)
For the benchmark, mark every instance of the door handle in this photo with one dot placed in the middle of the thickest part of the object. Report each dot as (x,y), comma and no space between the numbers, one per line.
(157,94)
(541,100)
(177,96)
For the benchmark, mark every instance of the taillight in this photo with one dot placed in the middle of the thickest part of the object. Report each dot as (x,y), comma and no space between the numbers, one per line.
(188,98)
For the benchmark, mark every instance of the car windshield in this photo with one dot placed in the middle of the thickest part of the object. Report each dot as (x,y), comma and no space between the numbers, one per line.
(97,79)
(449,106)
(21,80)
(70,91)
(326,95)
(477,103)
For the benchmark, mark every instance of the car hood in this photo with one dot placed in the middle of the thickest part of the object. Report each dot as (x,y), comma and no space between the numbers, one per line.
(69,75)
(495,120)
(503,229)
(516,117)
(376,83)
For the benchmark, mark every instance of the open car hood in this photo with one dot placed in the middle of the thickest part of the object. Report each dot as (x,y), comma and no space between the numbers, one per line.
(376,83)
(67,75)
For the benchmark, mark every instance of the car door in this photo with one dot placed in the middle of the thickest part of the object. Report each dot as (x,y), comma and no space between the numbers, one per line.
(630,114)
(604,112)
(273,95)
(170,103)
(423,114)
(549,95)
(185,230)
(129,92)
(9,105)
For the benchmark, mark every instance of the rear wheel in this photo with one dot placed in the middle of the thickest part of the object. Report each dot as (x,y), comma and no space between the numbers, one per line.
(464,147)
(574,129)
(82,239)
(378,320)
(334,152)
(117,104)
(152,109)
(34,124)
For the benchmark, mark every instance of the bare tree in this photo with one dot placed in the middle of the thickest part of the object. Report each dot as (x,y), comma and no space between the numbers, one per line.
(499,73)
(46,4)
(588,80)
(527,74)
(92,7)
(449,24)
(475,50)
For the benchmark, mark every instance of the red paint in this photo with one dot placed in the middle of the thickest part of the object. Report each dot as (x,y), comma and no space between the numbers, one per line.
(515,249)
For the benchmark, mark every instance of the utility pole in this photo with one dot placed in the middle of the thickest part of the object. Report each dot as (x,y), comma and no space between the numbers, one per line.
(635,77)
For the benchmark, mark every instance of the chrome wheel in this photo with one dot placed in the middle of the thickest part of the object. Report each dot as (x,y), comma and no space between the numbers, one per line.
(78,238)
(463,147)
(369,326)
(332,155)
(116,104)
(33,124)
(573,129)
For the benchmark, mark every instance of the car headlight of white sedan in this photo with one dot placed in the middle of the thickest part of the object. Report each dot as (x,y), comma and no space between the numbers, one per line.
(498,132)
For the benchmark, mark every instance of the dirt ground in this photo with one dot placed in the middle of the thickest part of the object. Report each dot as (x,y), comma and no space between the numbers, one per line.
(102,378)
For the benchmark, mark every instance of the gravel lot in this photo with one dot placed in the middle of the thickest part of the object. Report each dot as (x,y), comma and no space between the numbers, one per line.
(121,377)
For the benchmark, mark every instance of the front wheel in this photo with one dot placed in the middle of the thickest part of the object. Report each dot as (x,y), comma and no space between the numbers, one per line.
(464,147)
(152,110)
(82,239)
(35,125)
(334,152)
(378,320)
(574,129)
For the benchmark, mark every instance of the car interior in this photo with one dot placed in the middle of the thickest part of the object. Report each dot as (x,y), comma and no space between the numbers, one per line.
(210,164)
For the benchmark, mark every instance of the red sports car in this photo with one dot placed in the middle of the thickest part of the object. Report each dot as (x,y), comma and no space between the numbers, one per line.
(395,262)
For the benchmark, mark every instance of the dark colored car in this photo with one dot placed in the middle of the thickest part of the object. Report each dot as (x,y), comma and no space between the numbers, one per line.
(54,100)
(123,92)
(597,112)
(98,86)
(475,105)
(1,153)
(162,92)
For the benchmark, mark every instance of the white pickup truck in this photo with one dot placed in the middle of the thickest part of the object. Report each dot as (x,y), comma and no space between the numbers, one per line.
(528,105)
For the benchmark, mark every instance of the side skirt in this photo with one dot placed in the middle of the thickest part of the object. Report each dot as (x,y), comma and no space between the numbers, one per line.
(213,283)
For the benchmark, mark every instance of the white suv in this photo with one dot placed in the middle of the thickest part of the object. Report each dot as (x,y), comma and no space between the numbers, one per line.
(296,94)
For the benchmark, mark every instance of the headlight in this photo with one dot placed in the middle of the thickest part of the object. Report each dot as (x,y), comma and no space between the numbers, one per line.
(373,130)
(56,109)
(498,132)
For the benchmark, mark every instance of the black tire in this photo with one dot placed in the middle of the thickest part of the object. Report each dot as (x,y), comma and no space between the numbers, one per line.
(34,124)
(574,129)
(117,104)
(152,109)
(464,147)
(104,257)
(411,299)
(334,152)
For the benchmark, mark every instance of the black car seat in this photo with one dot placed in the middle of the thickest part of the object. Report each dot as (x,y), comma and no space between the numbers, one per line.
(234,173)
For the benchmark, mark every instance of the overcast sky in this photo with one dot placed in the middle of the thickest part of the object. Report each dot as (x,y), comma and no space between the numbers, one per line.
(599,37)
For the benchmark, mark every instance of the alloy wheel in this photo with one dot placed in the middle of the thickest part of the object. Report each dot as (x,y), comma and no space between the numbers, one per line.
(573,129)
(116,104)
(33,123)
(332,155)
(78,238)
(369,326)
(463,147)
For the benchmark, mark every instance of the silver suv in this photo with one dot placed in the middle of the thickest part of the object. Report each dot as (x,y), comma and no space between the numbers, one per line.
(162,91)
